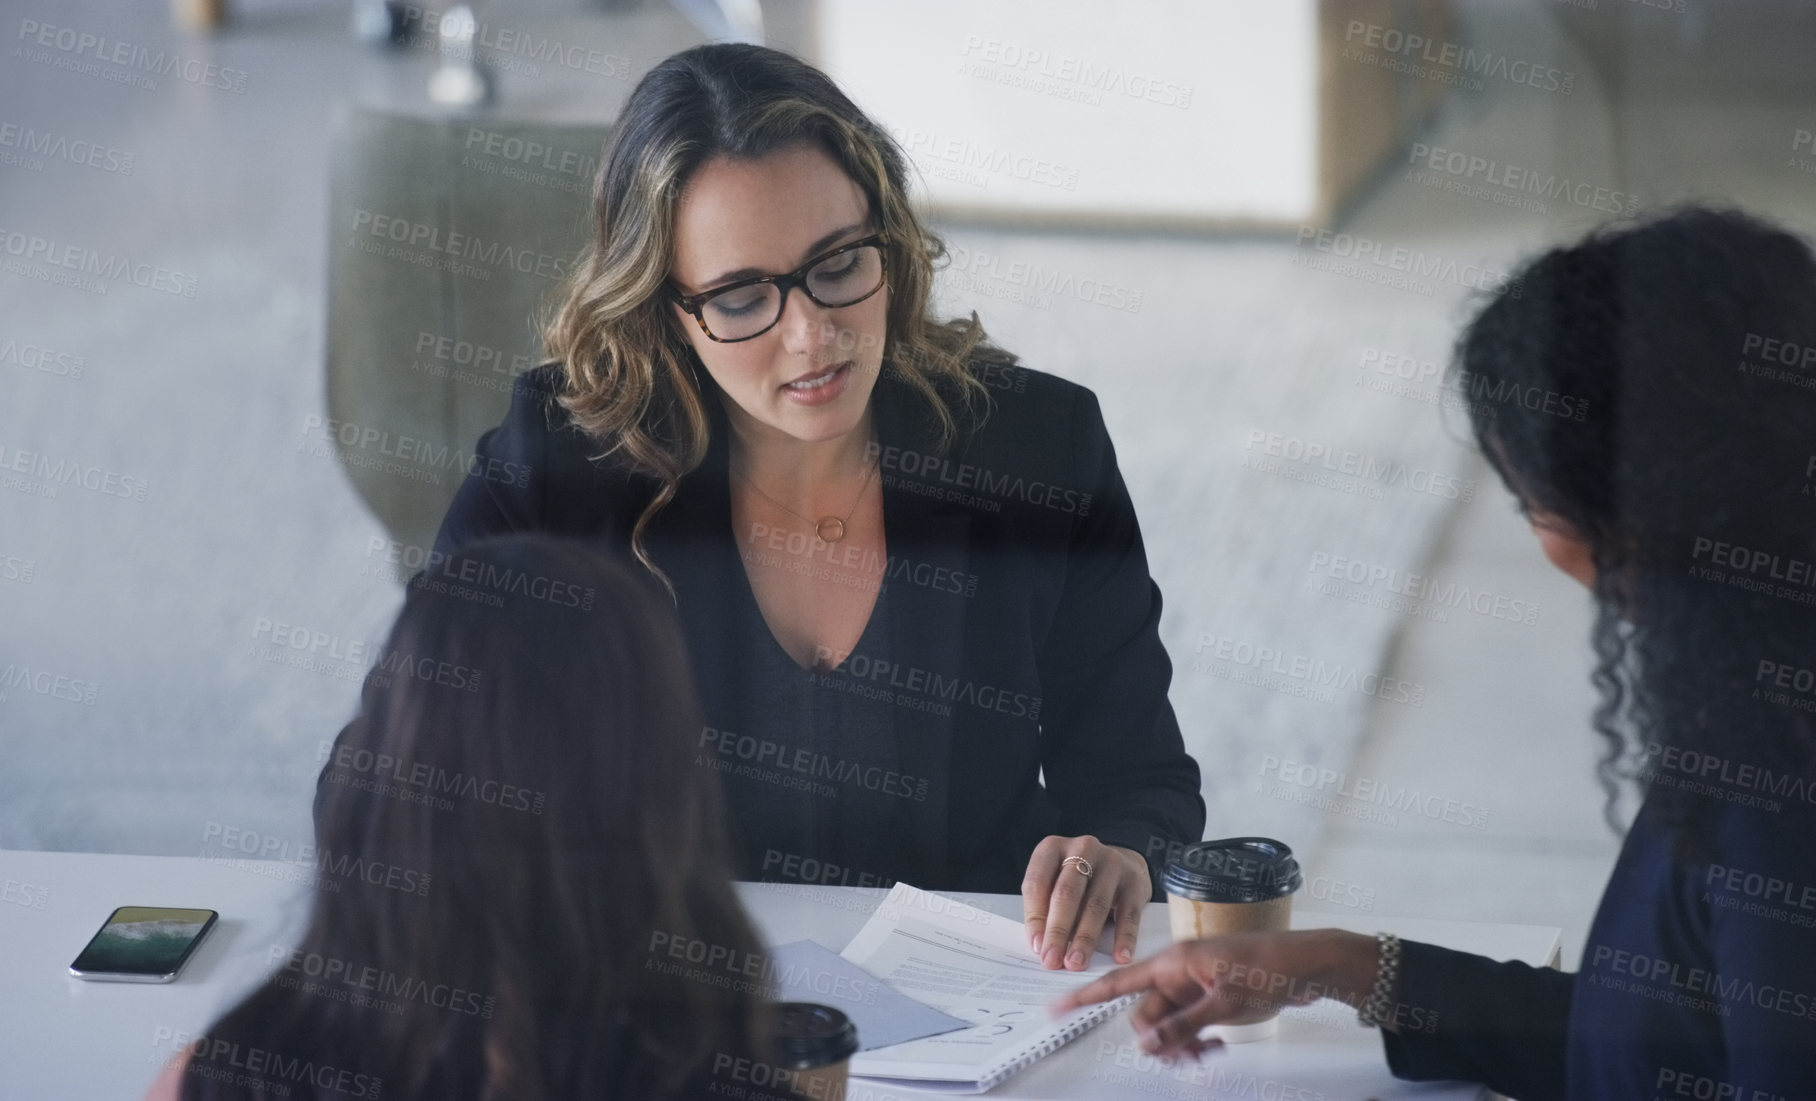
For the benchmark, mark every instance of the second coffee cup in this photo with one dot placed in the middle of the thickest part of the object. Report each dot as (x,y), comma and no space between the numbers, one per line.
(813,1046)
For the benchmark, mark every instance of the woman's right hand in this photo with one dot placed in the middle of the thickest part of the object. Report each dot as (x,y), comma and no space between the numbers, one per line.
(1234,979)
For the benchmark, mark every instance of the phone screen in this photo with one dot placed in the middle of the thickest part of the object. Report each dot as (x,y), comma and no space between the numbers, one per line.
(143,942)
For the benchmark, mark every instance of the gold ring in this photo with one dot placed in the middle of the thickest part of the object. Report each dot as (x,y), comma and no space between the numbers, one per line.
(1084,866)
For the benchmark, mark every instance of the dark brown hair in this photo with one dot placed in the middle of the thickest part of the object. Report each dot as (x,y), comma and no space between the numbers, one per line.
(541,778)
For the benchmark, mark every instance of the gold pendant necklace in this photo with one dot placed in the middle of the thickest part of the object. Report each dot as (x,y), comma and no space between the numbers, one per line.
(829,529)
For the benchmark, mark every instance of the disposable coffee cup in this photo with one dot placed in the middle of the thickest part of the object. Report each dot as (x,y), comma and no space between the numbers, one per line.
(1235,885)
(811,1047)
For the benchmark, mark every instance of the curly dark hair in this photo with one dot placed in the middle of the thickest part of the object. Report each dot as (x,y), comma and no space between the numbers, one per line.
(1653,386)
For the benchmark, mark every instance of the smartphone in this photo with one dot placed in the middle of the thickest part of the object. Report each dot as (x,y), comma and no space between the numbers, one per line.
(143,944)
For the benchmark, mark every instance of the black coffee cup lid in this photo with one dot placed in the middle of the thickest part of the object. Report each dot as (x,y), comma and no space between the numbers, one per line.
(1234,869)
(807,1035)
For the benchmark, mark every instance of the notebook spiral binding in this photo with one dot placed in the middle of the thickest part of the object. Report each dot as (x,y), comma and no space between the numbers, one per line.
(1092,1017)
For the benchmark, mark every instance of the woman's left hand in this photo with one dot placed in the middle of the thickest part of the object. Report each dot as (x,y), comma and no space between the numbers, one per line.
(1066,903)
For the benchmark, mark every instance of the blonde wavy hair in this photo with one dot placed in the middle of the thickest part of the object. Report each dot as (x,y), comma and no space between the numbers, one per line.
(631,380)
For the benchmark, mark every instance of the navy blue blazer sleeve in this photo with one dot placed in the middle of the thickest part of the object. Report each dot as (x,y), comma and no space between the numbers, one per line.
(1761,948)
(1112,753)
(1473,1019)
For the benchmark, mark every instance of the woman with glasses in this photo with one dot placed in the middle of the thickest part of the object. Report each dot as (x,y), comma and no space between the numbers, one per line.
(910,576)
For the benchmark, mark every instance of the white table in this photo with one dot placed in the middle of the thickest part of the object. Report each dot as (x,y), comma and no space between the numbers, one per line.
(61,1037)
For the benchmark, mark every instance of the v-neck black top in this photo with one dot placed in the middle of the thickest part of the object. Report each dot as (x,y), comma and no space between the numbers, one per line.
(814,757)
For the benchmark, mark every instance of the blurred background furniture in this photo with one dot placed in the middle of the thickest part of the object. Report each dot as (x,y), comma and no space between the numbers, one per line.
(1206,116)
(426,332)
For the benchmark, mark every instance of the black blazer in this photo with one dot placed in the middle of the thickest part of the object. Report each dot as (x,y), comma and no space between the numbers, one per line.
(1020,602)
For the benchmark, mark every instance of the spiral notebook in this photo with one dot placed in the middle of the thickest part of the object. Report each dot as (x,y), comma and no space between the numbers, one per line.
(976,966)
